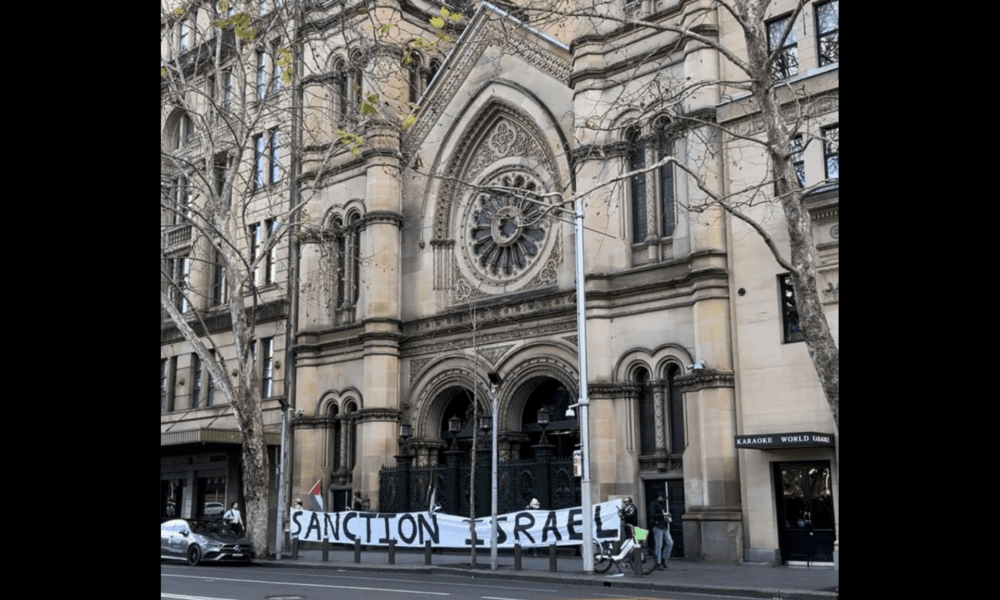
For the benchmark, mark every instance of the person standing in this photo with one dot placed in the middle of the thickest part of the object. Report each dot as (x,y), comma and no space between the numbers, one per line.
(661,519)
(630,513)
(358,504)
(234,519)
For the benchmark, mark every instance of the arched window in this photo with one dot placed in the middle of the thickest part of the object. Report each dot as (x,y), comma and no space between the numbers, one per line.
(341,87)
(417,82)
(665,205)
(647,413)
(435,66)
(675,411)
(335,434)
(345,267)
(351,443)
(637,186)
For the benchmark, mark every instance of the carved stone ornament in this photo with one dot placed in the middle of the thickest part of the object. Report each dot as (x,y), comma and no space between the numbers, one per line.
(506,227)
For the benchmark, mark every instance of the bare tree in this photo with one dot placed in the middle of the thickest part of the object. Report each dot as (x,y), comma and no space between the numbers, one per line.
(226,204)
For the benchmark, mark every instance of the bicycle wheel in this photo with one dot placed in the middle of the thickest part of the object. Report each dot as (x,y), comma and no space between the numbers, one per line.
(602,559)
(648,563)
(643,563)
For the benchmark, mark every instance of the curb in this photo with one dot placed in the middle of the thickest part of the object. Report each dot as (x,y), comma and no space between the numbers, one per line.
(624,583)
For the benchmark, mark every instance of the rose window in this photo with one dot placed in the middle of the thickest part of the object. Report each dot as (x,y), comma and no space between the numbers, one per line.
(507,226)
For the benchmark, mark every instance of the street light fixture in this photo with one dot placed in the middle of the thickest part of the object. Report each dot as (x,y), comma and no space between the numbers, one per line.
(543,420)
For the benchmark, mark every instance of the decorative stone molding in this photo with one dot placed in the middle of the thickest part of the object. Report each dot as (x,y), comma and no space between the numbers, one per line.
(613,390)
(378,414)
(708,379)
(491,32)
(494,353)
(383,216)
(829,285)
(314,422)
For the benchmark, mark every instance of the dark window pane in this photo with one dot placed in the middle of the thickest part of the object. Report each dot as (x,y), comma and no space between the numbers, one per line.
(828,28)
(636,161)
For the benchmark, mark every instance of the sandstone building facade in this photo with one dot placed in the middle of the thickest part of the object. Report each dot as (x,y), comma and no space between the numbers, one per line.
(436,255)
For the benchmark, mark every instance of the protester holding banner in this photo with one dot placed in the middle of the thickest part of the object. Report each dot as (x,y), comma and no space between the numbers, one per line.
(660,516)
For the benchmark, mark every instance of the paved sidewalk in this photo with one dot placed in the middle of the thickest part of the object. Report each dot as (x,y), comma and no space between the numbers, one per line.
(751,581)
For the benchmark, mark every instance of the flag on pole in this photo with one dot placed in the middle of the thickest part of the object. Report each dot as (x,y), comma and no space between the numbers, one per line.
(317,494)
(430,505)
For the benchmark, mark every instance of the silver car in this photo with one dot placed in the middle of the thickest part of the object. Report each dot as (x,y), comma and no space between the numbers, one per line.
(201,540)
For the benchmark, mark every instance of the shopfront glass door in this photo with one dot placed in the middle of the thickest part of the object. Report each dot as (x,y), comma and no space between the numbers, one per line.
(804,497)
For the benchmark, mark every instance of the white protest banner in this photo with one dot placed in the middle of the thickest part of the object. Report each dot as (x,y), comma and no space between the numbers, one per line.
(410,530)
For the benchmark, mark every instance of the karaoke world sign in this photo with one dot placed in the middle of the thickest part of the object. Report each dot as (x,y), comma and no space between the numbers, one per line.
(413,529)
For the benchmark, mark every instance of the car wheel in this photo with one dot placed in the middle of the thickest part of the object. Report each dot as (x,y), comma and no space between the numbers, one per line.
(194,554)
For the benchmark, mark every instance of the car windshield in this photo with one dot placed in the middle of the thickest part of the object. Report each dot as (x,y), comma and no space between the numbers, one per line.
(209,527)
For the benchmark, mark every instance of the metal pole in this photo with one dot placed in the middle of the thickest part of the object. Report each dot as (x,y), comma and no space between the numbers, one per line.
(281,482)
(581,325)
(493,499)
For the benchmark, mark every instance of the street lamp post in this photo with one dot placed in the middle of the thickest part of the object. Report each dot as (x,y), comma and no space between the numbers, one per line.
(280,535)
(581,325)
(495,382)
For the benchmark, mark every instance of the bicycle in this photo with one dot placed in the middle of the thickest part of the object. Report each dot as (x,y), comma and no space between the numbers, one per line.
(604,555)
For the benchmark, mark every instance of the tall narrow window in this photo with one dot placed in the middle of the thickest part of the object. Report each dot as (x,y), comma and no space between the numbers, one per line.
(798,159)
(647,413)
(341,85)
(275,68)
(195,380)
(186,36)
(267,368)
(637,187)
(261,75)
(786,62)
(355,259)
(791,330)
(256,243)
(341,274)
(274,147)
(828,32)
(212,385)
(227,95)
(675,410)
(163,385)
(259,159)
(220,291)
(666,188)
(416,81)
(179,270)
(831,151)
(171,382)
(271,264)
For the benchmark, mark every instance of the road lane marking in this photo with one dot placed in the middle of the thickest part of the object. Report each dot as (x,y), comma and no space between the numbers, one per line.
(180,597)
(316,585)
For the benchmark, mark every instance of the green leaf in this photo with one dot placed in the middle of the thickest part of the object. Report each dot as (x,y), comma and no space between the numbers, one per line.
(367,109)
(437,22)
(409,121)
(456,17)
(384,30)
(163,71)
(444,12)
(179,11)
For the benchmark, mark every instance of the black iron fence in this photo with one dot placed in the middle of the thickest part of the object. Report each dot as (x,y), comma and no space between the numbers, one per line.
(407,488)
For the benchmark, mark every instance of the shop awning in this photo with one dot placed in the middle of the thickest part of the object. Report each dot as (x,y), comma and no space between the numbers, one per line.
(217,436)
(778,441)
